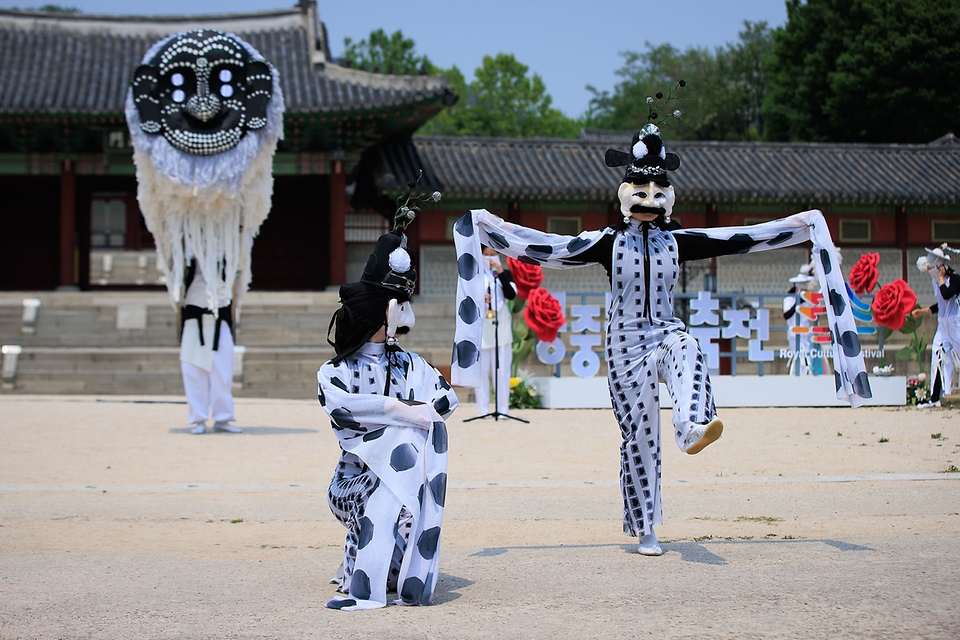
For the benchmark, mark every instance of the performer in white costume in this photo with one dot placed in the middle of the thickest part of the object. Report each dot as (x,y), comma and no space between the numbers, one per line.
(802,362)
(206,357)
(205,112)
(387,407)
(499,289)
(646,342)
(945,347)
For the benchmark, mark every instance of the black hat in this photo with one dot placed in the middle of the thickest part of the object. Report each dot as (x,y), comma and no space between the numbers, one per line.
(647,161)
(390,267)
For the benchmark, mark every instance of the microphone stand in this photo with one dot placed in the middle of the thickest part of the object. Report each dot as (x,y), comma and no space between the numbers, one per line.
(496,415)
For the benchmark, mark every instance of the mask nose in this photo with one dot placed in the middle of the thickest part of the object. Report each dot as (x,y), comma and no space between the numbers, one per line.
(203,105)
(652,197)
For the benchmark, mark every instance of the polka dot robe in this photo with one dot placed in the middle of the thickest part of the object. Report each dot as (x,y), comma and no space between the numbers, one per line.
(390,484)
(645,342)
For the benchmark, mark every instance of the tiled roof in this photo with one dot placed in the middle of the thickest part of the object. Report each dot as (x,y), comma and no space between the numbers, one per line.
(74,63)
(744,171)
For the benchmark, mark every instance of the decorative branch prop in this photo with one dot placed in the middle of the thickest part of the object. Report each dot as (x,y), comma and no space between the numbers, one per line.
(655,107)
(407,212)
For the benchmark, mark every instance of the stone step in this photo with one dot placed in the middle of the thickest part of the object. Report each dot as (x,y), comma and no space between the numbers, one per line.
(288,373)
(147,320)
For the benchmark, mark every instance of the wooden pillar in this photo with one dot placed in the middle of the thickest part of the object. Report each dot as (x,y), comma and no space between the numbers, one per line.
(903,237)
(68,227)
(513,212)
(338,225)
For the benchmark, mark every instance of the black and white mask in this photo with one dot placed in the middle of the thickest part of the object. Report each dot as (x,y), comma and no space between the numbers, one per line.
(202,91)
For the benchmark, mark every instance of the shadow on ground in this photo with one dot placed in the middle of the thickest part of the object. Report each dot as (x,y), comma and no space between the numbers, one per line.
(689,551)
(249,431)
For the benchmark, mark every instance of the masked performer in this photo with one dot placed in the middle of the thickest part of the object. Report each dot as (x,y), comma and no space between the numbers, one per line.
(645,341)
(387,407)
(946,341)
(802,362)
(205,112)
(497,341)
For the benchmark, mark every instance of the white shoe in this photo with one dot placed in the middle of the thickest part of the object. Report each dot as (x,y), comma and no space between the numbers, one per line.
(649,546)
(200,428)
(226,426)
(701,435)
(928,405)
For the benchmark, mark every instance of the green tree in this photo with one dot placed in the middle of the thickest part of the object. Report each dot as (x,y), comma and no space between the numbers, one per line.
(725,88)
(865,71)
(450,120)
(380,53)
(743,68)
(503,99)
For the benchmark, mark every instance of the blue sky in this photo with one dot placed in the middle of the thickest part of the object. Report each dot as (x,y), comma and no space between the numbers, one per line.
(570,44)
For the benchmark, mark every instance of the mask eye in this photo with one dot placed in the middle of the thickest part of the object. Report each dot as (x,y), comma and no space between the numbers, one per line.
(226,90)
(177,80)
(225,75)
(179,95)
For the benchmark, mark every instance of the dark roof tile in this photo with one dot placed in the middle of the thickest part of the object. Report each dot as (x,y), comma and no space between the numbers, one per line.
(81,64)
(531,168)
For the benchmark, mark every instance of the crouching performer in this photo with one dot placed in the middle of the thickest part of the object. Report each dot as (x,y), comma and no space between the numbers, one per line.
(387,407)
(646,342)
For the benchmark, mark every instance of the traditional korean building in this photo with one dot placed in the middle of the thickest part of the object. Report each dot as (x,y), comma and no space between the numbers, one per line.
(67,179)
(70,217)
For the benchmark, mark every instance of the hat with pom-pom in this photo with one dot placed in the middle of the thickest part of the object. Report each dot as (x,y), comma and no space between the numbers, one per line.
(647,161)
(390,267)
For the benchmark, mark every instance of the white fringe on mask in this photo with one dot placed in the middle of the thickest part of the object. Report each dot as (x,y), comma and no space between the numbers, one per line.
(207,208)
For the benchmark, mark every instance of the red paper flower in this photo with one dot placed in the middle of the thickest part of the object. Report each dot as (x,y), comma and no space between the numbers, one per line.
(544,315)
(892,304)
(527,277)
(864,274)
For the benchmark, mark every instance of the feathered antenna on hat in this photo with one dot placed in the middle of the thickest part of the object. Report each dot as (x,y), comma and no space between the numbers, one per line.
(655,109)
(407,212)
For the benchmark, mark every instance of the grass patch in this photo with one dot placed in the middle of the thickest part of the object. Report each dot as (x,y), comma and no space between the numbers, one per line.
(839,435)
(936,436)
(765,519)
(882,440)
(236,521)
(951,469)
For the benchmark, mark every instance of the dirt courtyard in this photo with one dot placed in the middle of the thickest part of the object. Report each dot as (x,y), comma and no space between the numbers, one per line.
(116,522)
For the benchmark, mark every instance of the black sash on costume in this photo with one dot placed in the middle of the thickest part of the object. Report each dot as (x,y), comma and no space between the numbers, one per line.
(193,312)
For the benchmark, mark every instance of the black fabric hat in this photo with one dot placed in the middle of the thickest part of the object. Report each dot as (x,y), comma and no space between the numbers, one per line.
(390,267)
(647,161)
(362,312)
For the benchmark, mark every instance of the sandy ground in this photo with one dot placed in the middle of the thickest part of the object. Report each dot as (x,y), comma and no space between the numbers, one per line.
(115,522)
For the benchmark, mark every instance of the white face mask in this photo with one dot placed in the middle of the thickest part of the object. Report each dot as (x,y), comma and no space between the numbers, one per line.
(399,315)
(646,195)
